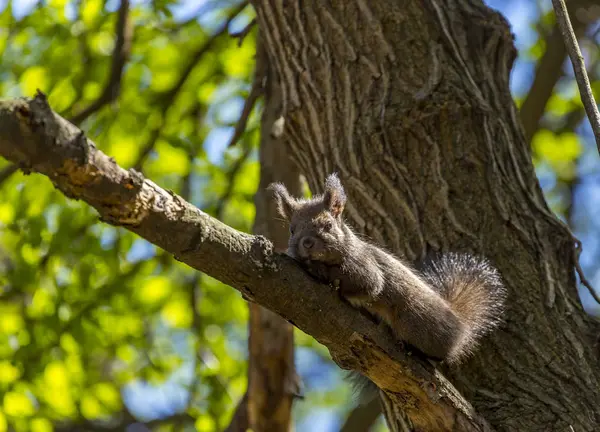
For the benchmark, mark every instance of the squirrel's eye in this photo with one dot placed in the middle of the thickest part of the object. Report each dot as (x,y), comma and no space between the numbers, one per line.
(291,229)
(327,226)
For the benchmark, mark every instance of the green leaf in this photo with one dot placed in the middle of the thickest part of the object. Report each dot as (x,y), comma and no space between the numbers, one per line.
(34,78)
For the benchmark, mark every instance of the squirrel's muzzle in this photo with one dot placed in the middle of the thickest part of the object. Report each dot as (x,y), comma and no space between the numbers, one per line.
(309,247)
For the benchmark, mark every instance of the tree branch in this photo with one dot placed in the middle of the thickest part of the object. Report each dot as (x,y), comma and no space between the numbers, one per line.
(241,35)
(255,91)
(37,139)
(124,32)
(168,97)
(587,97)
(548,71)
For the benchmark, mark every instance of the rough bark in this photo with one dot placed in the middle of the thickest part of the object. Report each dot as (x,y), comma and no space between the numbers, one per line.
(39,140)
(410,103)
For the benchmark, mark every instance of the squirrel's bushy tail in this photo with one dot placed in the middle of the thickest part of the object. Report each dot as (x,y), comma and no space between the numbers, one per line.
(474,291)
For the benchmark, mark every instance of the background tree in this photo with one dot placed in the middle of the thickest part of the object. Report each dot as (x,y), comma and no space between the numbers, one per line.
(98,324)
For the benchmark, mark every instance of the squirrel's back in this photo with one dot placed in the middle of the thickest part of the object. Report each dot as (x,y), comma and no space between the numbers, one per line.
(474,290)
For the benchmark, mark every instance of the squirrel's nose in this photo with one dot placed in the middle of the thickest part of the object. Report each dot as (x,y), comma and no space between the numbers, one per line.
(308,242)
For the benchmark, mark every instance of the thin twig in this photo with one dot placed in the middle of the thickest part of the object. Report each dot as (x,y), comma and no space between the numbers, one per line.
(241,35)
(255,91)
(549,70)
(124,32)
(232,175)
(582,278)
(167,98)
(587,97)
(240,126)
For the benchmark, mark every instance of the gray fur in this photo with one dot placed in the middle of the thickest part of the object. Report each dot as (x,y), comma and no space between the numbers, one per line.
(444,310)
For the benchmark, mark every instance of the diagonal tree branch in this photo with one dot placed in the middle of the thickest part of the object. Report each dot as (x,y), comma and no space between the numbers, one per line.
(37,139)
(167,98)
(549,70)
(124,32)
(587,97)
(256,91)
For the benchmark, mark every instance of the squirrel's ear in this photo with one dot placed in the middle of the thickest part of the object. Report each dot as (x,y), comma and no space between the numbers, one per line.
(286,204)
(334,197)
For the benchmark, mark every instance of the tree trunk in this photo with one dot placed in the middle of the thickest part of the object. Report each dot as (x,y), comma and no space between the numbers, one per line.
(272,380)
(409,102)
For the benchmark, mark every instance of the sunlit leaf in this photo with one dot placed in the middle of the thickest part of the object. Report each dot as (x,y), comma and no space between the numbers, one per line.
(90,11)
(18,405)
(108,395)
(41,425)
(238,60)
(204,424)
(154,290)
(11,320)
(8,372)
(91,407)
(170,160)
(178,313)
(34,78)
(56,375)
(62,96)
(7,213)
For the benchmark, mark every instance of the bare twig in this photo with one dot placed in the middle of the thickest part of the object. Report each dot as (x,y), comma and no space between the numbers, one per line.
(587,97)
(241,35)
(167,98)
(124,32)
(548,71)
(206,46)
(240,126)
(578,249)
(231,175)
(255,91)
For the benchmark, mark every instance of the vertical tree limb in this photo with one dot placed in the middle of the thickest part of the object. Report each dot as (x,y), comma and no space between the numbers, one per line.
(272,380)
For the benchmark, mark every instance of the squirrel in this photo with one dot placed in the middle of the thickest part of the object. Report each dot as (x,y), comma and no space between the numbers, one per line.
(443,310)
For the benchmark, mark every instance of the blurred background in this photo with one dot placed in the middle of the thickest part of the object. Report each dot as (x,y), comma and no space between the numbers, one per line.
(98,324)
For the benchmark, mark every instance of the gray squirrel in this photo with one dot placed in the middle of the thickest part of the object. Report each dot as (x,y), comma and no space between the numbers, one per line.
(443,310)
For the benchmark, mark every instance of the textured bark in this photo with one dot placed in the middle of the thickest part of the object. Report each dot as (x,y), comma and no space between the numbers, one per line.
(409,102)
(273,383)
(37,139)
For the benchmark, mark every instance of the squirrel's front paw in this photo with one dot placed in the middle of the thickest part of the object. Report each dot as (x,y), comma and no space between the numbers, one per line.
(318,270)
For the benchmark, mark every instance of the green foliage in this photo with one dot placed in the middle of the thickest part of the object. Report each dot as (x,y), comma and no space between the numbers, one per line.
(559,151)
(89,311)
(86,309)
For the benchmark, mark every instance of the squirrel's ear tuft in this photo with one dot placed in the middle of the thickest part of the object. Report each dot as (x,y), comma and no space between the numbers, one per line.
(334,197)
(286,204)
